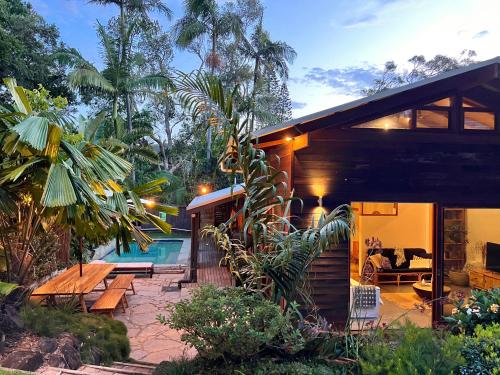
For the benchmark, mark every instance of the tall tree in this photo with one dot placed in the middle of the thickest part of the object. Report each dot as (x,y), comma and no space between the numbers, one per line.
(126,30)
(206,19)
(420,68)
(268,56)
(27,43)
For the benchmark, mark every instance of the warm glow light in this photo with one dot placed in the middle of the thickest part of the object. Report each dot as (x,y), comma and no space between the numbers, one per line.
(204,189)
(148,203)
(288,139)
(318,187)
(386,126)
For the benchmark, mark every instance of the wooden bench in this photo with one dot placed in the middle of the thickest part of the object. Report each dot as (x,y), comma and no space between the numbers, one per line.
(109,301)
(123,282)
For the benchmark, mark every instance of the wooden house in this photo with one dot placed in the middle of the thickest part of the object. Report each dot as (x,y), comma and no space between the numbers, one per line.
(430,149)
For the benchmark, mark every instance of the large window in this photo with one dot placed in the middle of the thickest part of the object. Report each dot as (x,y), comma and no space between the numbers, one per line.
(477,116)
(432,119)
(400,120)
(436,114)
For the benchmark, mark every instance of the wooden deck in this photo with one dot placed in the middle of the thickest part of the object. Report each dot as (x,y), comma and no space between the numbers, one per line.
(209,271)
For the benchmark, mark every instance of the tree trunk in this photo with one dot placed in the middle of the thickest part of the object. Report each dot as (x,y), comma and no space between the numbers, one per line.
(212,72)
(254,93)
(115,114)
(129,127)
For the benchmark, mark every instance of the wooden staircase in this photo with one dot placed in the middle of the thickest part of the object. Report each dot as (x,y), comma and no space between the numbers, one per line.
(329,282)
(117,368)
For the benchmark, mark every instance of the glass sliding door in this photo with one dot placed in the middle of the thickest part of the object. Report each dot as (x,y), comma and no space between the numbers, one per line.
(470,249)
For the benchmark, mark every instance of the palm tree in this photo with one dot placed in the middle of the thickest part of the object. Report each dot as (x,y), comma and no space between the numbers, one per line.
(268,55)
(272,248)
(55,180)
(204,18)
(114,81)
(127,24)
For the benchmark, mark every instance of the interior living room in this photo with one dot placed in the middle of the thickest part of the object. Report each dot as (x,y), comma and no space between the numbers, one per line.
(392,248)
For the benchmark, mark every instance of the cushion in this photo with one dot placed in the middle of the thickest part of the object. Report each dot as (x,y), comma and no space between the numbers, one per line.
(386,263)
(418,262)
(376,260)
(389,253)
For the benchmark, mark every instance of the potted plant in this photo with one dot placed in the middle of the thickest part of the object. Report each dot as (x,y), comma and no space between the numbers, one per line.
(458,277)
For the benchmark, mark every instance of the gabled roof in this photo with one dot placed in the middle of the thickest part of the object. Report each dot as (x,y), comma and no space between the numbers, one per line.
(295,123)
(215,198)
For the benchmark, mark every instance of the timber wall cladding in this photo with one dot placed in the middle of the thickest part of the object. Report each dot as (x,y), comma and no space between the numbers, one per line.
(413,167)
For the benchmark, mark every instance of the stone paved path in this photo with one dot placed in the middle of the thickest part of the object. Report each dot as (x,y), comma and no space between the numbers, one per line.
(151,341)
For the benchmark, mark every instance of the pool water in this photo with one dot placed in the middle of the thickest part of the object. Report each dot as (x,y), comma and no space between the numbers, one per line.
(159,252)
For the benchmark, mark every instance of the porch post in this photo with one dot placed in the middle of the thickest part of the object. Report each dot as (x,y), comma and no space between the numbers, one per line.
(437,265)
(195,243)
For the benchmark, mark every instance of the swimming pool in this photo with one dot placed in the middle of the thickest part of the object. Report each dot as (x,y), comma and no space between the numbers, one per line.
(159,252)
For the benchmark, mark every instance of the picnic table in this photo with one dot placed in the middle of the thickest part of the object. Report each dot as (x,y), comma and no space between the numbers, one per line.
(70,282)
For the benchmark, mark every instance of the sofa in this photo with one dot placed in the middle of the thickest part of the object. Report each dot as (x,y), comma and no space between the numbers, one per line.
(377,274)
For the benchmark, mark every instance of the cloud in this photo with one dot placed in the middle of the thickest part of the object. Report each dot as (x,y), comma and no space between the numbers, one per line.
(481,34)
(350,80)
(298,105)
(361,20)
(366,12)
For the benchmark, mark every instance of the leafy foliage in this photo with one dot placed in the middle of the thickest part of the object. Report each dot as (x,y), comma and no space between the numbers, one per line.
(261,367)
(101,336)
(412,350)
(27,43)
(55,183)
(481,351)
(482,308)
(421,68)
(232,324)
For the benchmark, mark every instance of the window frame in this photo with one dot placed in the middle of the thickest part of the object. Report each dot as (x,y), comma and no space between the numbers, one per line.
(456,117)
(463,110)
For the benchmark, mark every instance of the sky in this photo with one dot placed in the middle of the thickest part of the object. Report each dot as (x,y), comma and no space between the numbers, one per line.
(341,45)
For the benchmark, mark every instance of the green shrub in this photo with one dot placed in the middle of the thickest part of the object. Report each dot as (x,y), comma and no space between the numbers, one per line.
(232,324)
(102,338)
(412,350)
(261,367)
(481,351)
(482,308)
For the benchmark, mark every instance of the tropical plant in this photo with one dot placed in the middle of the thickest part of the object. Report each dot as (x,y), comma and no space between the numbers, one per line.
(206,18)
(273,255)
(268,56)
(51,182)
(127,25)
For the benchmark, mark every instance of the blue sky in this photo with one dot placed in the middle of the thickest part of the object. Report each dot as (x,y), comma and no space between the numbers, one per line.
(341,44)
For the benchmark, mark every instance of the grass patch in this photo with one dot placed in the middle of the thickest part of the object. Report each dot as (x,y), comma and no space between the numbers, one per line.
(102,338)
(13,372)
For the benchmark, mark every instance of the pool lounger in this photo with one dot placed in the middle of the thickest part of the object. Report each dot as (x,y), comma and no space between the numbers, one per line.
(137,267)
